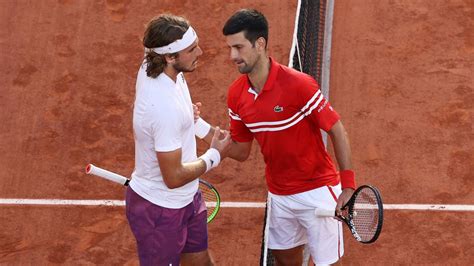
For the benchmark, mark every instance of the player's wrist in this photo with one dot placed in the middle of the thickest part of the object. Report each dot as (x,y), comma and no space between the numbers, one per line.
(212,158)
(201,128)
(347,179)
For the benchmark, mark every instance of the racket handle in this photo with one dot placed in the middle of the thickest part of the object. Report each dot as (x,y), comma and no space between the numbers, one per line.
(324,212)
(94,170)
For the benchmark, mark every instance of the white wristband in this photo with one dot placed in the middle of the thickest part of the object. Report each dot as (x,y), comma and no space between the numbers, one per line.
(212,158)
(201,128)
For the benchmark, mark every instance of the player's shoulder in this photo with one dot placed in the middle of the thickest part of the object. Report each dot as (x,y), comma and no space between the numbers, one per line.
(301,84)
(238,85)
(295,77)
(239,82)
(155,92)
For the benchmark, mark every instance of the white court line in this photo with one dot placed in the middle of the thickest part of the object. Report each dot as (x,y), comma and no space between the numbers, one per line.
(229,204)
(428,207)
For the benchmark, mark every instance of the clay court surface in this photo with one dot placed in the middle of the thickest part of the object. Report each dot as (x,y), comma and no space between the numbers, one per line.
(401,78)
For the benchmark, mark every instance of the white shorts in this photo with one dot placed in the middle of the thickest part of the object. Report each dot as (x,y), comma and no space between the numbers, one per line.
(292,223)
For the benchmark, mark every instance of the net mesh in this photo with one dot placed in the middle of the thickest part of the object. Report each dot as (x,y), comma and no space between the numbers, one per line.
(308,58)
(308,55)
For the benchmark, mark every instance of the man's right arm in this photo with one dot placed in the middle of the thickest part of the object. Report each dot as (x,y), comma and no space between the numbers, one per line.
(239,151)
(176,173)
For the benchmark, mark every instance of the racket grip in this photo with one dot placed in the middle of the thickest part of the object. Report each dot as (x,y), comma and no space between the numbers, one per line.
(94,170)
(325,212)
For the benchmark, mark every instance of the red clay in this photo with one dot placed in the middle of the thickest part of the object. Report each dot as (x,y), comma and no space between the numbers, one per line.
(401,77)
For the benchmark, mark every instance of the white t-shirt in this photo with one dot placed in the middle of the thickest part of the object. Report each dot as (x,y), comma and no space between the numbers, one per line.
(162,121)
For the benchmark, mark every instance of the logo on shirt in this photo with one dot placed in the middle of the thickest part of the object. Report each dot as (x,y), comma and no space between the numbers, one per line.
(322,106)
(278,109)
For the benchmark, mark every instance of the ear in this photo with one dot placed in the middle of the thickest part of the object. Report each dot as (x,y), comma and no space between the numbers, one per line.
(170,59)
(261,43)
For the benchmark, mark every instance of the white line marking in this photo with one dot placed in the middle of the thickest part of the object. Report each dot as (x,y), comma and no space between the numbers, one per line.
(229,204)
(429,207)
(62,202)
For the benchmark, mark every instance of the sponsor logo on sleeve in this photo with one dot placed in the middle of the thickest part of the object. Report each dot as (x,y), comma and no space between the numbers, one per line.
(322,106)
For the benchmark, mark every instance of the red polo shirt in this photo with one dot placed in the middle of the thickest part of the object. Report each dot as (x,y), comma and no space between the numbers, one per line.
(285,118)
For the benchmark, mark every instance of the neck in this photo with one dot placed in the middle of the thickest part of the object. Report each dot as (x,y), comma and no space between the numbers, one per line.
(171,72)
(259,73)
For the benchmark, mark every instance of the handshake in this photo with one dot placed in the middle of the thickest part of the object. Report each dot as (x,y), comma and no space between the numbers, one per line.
(218,139)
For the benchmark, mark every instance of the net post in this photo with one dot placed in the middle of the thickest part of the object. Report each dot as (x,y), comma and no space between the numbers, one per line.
(266,258)
(326,57)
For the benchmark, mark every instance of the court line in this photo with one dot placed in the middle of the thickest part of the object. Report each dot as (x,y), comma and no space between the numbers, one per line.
(228,204)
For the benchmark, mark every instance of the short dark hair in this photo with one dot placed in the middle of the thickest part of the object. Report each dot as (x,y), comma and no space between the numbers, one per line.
(251,22)
(161,31)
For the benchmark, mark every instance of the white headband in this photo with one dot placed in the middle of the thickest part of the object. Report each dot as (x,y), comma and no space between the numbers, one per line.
(188,38)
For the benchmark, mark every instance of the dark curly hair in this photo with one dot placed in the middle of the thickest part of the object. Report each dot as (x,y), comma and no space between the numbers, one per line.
(161,31)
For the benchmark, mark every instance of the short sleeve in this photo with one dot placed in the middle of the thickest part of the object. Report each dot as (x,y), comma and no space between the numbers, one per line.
(238,130)
(315,106)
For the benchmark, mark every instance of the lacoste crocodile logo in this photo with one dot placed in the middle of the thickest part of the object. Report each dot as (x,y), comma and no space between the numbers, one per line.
(278,109)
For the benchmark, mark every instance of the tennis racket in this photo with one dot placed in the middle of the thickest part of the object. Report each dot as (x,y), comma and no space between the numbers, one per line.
(209,192)
(363,214)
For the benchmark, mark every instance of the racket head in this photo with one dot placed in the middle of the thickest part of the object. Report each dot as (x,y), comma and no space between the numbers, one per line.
(365,214)
(212,199)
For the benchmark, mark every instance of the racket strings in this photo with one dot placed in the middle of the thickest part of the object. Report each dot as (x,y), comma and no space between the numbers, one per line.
(365,214)
(210,199)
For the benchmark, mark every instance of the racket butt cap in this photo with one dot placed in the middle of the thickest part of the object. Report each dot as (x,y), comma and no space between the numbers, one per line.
(88,168)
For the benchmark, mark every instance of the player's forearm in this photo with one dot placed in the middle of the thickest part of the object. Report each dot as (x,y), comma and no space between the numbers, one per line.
(342,152)
(342,149)
(239,151)
(185,173)
(208,137)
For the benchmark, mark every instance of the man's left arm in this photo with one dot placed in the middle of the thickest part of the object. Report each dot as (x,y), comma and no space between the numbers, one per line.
(342,151)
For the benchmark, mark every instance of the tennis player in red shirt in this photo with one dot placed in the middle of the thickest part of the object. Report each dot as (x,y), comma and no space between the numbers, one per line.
(284,110)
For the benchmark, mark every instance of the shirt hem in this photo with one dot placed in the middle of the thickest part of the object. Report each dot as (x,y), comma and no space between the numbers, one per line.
(334,182)
(161,203)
